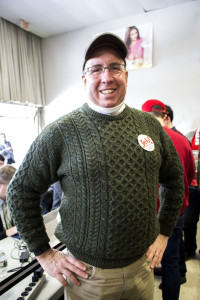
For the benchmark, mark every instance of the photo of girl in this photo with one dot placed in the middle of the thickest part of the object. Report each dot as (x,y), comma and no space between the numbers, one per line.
(134,44)
(139,44)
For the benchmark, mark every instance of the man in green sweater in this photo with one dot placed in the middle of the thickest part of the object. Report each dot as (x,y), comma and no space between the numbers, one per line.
(109,159)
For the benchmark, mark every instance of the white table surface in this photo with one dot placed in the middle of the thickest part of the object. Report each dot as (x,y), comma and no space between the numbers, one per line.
(52,289)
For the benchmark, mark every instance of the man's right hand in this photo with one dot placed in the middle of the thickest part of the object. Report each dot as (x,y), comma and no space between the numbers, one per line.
(58,265)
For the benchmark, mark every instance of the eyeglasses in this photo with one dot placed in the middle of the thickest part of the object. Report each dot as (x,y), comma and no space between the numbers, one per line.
(115,70)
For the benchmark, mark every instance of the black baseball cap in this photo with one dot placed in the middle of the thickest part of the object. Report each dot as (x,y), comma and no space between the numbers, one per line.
(106,39)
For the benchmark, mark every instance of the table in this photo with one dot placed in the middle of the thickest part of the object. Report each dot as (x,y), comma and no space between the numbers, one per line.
(15,283)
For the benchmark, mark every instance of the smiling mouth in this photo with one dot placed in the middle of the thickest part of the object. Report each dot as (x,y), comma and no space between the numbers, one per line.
(107,91)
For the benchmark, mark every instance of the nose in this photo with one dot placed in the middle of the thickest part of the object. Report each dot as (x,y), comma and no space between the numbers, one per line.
(106,75)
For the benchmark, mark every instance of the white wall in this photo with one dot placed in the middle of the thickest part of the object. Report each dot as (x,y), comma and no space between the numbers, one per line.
(173,79)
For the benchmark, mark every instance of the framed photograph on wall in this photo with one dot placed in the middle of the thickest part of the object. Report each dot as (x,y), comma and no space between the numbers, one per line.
(139,41)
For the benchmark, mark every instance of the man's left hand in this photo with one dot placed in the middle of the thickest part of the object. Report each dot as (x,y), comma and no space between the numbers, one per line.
(156,250)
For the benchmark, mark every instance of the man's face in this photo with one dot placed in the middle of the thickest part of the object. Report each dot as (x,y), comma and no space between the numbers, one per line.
(3,189)
(105,90)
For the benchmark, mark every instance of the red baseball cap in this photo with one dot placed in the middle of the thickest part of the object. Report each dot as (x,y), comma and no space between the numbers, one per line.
(147,106)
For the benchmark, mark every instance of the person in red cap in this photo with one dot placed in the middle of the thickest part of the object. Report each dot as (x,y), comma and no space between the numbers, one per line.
(192,212)
(109,159)
(170,261)
(168,122)
(149,106)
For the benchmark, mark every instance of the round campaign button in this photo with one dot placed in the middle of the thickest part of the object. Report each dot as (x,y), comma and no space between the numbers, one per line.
(146,142)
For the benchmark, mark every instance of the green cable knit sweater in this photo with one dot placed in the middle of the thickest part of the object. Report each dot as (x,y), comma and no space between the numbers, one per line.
(110,185)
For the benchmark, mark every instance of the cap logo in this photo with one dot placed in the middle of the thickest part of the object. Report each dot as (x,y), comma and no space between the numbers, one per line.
(146,142)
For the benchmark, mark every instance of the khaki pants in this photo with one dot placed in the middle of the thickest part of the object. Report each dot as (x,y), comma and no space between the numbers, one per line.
(134,282)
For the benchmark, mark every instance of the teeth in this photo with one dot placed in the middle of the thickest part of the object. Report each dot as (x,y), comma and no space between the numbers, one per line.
(108,91)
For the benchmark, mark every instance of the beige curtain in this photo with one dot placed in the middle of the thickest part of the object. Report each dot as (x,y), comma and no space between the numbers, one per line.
(21,77)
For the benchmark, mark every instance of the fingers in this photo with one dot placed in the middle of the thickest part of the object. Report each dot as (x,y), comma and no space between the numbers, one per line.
(77,264)
(71,277)
(156,250)
(156,259)
(153,254)
(61,279)
(74,265)
(60,265)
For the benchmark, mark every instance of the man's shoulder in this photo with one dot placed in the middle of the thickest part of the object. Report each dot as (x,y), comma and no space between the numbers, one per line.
(53,131)
(63,119)
(68,116)
(140,113)
(145,117)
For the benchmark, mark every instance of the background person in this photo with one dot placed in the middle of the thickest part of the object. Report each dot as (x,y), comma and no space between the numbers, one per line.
(2,160)
(7,227)
(109,159)
(170,261)
(192,212)
(4,152)
(47,201)
(168,122)
(57,194)
(8,149)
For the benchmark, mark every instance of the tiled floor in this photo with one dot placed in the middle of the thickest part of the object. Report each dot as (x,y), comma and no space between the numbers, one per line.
(191,289)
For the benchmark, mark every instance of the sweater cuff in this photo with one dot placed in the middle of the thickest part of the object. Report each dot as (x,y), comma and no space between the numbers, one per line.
(165,229)
(41,250)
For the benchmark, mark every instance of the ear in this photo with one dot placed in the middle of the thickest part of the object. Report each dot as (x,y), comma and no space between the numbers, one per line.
(84,80)
(126,76)
(165,118)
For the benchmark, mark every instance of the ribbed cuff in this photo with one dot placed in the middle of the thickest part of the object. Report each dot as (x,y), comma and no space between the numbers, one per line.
(41,250)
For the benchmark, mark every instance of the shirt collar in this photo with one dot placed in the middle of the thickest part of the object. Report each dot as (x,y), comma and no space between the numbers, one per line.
(107,111)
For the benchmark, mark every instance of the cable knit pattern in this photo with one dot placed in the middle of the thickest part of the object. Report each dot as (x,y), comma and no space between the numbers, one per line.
(110,185)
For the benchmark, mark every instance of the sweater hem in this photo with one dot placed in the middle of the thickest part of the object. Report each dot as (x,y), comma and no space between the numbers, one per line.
(101,262)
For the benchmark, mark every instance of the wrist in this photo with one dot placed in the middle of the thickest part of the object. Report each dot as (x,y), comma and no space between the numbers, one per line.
(41,249)
(162,236)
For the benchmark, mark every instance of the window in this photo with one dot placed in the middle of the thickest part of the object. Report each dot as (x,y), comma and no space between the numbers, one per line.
(20,125)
